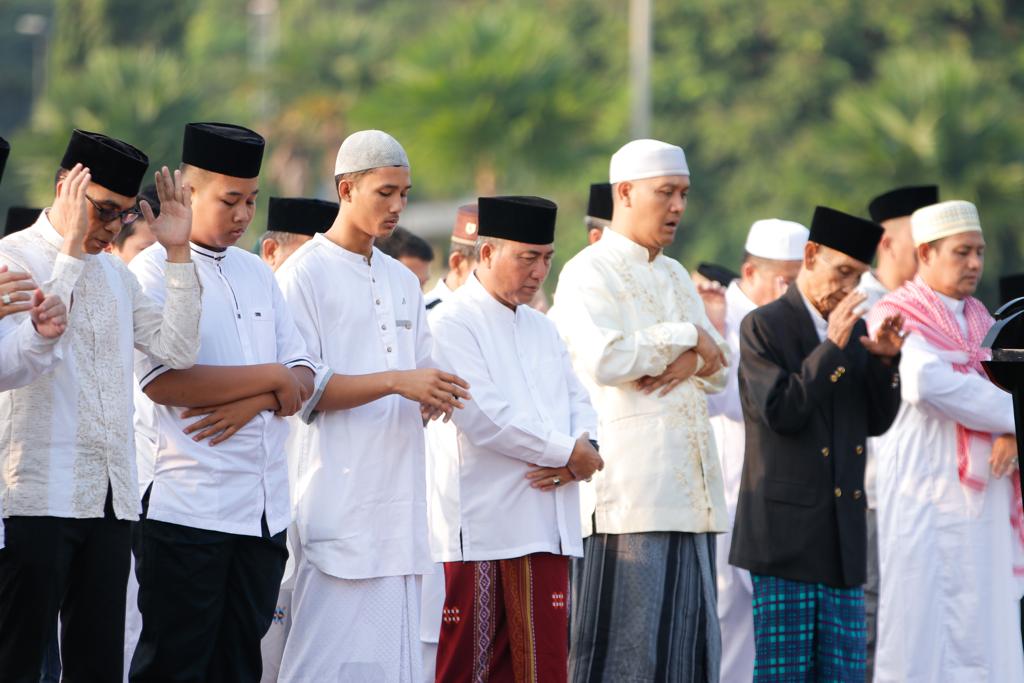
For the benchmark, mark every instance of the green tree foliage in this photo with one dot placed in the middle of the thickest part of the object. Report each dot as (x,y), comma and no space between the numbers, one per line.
(780,106)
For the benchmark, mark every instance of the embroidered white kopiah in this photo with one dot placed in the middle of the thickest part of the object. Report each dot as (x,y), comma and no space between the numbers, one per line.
(944,219)
(642,159)
(777,240)
(369,149)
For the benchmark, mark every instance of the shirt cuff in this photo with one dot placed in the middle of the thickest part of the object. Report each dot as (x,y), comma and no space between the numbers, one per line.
(557,451)
(181,275)
(64,277)
(152,374)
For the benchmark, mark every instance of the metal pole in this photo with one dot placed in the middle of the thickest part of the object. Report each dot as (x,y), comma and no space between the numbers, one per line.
(640,67)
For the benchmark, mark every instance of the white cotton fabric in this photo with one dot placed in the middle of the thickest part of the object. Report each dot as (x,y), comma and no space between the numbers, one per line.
(368,149)
(353,630)
(641,159)
(944,219)
(777,240)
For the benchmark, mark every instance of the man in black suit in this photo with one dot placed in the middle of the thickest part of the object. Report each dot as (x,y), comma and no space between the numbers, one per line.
(813,388)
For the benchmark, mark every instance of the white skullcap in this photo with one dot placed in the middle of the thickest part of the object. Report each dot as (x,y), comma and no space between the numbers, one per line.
(777,240)
(930,223)
(641,159)
(368,149)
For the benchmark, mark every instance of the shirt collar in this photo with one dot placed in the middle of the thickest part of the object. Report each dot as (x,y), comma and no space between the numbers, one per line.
(352,257)
(955,306)
(476,291)
(820,324)
(207,253)
(441,291)
(629,249)
(46,230)
(737,300)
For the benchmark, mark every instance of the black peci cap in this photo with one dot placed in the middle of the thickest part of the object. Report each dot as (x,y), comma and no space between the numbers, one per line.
(519,219)
(112,163)
(902,201)
(19,218)
(223,148)
(600,204)
(300,216)
(853,236)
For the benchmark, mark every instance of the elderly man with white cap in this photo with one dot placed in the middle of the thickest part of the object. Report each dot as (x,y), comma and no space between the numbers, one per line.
(951,529)
(644,594)
(773,253)
(360,486)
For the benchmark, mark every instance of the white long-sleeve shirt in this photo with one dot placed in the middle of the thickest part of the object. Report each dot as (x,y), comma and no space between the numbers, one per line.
(230,486)
(65,435)
(625,316)
(528,408)
(949,597)
(360,489)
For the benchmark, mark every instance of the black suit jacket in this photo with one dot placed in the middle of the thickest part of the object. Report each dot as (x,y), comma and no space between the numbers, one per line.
(808,408)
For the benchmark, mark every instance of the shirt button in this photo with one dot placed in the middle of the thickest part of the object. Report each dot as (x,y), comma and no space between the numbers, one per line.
(383,327)
(859,450)
(834,377)
(838,492)
(841,370)
(857,495)
(377,302)
(825,451)
(389,349)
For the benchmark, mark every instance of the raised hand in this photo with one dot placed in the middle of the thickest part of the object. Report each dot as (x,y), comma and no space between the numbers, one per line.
(173,227)
(678,371)
(15,292)
(713,296)
(70,210)
(49,315)
(888,338)
(843,317)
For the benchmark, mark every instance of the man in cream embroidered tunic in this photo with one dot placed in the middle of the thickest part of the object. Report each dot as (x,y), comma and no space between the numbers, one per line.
(638,334)
(67,445)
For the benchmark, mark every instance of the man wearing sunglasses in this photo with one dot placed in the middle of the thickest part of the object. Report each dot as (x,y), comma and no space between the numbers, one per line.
(67,449)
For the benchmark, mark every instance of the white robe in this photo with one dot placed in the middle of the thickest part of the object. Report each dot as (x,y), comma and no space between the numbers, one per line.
(949,598)
(735,591)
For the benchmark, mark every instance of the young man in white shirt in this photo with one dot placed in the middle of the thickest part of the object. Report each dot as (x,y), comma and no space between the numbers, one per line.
(213,537)
(360,490)
(637,330)
(69,460)
(511,519)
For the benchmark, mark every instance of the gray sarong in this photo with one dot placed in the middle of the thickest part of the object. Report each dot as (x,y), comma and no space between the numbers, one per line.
(644,609)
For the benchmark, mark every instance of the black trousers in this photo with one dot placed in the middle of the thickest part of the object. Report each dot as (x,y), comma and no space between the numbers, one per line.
(77,568)
(207,599)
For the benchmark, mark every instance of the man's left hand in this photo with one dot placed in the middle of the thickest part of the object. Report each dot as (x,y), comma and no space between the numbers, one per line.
(713,296)
(549,478)
(173,227)
(1004,455)
(888,339)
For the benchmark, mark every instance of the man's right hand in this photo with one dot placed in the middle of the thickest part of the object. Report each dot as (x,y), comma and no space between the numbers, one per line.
(72,210)
(434,388)
(678,371)
(18,287)
(49,315)
(843,317)
(1004,455)
(714,358)
(584,460)
(289,393)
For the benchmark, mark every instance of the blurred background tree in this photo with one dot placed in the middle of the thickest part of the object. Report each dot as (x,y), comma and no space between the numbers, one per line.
(780,106)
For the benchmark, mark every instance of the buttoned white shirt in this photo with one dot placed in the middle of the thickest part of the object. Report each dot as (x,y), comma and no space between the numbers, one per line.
(360,489)
(625,316)
(528,408)
(66,435)
(230,486)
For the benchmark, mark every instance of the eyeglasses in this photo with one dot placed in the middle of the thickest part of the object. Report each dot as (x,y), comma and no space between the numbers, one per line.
(107,214)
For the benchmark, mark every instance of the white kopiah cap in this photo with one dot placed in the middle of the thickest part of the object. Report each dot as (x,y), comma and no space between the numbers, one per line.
(930,223)
(777,240)
(369,149)
(641,159)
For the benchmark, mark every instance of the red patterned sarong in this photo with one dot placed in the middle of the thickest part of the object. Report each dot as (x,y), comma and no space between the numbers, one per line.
(505,620)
